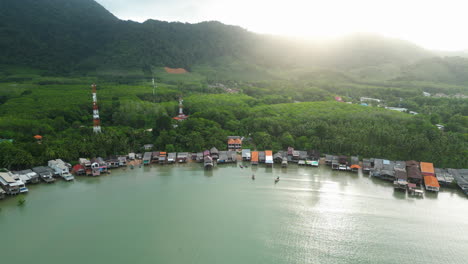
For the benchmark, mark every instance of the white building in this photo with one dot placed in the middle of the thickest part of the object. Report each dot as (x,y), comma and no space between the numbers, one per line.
(368,99)
(399,109)
(61,169)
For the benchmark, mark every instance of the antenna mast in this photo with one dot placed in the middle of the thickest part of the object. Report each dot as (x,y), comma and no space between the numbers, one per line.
(96,119)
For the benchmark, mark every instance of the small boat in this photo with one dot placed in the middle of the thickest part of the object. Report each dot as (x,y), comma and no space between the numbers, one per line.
(131,166)
(240,166)
(253,176)
(277,180)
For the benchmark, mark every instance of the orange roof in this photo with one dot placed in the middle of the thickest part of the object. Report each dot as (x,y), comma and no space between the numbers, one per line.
(427,168)
(238,141)
(355,166)
(254,156)
(162,153)
(268,153)
(231,141)
(431,181)
(175,71)
(38,137)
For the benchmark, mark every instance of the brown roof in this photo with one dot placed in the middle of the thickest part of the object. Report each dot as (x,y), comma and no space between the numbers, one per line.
(410,163)
(401,174)
(413,172)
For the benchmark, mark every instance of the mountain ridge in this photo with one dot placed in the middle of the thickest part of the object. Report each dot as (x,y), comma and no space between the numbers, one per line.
(82,36)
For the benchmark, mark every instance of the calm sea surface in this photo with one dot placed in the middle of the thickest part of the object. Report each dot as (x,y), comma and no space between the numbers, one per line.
(183,214)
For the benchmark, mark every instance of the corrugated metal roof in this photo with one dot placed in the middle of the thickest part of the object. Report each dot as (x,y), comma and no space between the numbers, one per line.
(7,177)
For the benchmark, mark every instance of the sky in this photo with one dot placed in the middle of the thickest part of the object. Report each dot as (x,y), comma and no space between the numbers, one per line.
(432,24)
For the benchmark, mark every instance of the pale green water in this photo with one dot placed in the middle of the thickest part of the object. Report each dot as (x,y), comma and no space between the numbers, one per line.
(182,214)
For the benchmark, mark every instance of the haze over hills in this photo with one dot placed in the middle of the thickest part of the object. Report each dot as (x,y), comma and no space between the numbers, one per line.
(82,36)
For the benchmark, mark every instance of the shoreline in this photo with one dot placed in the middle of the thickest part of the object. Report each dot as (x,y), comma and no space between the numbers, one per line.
(138,164)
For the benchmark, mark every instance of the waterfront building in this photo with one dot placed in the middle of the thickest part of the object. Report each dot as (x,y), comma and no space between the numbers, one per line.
(234,143)
(246,154)
(45,173)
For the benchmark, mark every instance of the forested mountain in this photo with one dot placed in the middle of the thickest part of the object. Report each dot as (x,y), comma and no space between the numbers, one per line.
(82,35)
(442,70)
(276,91)
(52,33)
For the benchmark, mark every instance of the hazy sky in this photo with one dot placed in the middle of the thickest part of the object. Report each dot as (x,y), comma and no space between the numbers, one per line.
(433,24)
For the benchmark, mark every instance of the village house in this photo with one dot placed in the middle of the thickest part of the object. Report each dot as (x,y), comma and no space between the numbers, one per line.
(223,157)
(401,177)
(234,143)
(254,158)
(214,153)
(335,164)
(147,158)
(314,154)
(278,157)
(8,184)
(148,146)
(95,169)
(78,169)
(461,177)
(200,157)
(112,162)
(261,156)
(428,172)
(155,157)
(232,156)
(414,174)
(171,157)
(182,157)
(444,177)
(367,165)
(162,157)
(26,176)
(122,161)
(246,154)
(45,173)
(269,158)
(355,164)
(328,159)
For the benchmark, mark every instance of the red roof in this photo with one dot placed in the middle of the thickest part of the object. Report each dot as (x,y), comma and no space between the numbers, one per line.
(427,168)
(431,181)
(180,117)
(254,156)
(175,70)
(78,167)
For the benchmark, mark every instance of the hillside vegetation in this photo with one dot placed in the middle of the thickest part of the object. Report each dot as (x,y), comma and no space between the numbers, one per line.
(274,91)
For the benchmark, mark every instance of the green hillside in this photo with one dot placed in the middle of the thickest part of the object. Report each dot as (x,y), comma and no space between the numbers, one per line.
(275,91)
(81,36)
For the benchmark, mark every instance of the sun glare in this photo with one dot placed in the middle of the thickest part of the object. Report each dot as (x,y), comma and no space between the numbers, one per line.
(434,24)
(431,23)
